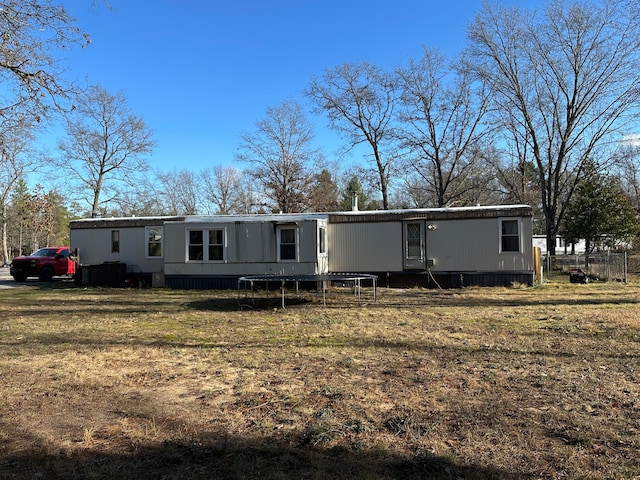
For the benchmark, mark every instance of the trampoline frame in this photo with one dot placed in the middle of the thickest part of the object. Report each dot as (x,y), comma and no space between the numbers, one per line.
(357,278)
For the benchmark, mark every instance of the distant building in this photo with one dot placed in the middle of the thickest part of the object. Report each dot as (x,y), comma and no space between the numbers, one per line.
(562,246)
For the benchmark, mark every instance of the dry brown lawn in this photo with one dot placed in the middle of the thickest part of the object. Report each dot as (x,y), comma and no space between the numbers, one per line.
(456,384)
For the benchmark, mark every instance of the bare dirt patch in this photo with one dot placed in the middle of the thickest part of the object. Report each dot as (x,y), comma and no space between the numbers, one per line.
(474,384)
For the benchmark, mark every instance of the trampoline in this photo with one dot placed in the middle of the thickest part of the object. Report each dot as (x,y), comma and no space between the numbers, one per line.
(248,283)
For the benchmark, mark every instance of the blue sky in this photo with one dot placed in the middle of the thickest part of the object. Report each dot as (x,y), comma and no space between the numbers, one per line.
(200,72)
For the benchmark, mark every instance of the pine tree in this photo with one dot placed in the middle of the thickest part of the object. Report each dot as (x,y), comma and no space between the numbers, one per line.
(599,211)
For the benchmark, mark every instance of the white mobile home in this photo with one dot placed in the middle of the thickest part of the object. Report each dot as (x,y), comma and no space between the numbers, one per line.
(441,246)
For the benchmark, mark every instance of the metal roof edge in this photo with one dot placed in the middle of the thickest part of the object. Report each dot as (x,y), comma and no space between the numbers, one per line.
(449,213)
(120,222)
(267,217)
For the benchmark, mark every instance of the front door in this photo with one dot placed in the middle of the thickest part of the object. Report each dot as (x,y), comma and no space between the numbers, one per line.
(414,247)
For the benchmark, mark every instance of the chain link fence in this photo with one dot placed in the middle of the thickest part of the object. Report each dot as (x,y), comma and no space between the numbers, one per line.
(605,266)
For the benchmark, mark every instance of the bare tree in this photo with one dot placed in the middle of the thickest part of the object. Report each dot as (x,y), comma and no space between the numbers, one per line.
(105,146)
(250,198)
(359,100)
(179,192)
(16,160)
(139,200)
(629,170)
(38,217)
(440,126)
(34,33)
(281,154)
(221,189)
(565,86)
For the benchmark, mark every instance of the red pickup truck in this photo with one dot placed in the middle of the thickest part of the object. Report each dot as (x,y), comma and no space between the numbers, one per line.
(44,264)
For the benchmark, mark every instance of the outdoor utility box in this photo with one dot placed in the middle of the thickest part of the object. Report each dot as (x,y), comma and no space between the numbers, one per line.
(111,274)
(83,275)
(157,280)
(577,275)
(104,275)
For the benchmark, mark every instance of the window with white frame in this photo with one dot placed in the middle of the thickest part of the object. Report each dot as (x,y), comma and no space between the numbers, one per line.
(510,235)
(287,244)
(154,241)
(206,245)
(195,247)
(216,245)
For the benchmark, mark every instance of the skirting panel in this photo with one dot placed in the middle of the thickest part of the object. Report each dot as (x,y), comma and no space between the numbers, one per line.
(385,279)
(453,279)
(195,282)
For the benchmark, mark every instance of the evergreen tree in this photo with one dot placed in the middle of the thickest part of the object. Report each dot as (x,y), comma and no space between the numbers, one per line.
(324,193)
(599,211)
(353,188)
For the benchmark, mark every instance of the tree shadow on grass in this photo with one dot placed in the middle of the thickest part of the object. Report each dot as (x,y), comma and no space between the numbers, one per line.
(243,303)
(239,458)
(402,299)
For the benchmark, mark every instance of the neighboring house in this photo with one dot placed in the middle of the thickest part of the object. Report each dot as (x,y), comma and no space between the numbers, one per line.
(562,246)
(450,247)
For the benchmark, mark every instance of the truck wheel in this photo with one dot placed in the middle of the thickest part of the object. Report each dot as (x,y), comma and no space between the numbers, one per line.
(46,274)
(19,277)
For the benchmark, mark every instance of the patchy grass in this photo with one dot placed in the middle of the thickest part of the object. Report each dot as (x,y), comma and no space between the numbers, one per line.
(474,384)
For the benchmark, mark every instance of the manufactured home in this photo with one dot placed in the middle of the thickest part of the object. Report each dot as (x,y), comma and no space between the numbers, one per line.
(447,247)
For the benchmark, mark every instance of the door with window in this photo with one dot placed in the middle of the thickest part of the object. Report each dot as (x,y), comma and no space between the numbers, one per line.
(414,245)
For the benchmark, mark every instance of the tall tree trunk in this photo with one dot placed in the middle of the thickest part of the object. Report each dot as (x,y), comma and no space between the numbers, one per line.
(5,248)
(96,197)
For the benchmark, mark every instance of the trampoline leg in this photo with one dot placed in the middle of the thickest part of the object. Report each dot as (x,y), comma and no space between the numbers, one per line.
(324,295)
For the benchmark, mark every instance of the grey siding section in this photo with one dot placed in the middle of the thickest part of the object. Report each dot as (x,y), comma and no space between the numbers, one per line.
(365,247)
(461,245)
(251,249)
(474,245)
